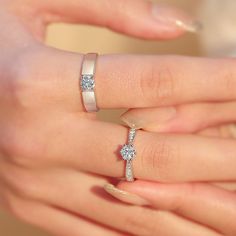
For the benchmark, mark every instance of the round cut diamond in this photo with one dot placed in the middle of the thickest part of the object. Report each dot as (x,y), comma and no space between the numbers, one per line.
(87,82)
(128,152)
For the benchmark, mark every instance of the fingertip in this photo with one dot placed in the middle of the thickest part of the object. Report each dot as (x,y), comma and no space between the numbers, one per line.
(172,22)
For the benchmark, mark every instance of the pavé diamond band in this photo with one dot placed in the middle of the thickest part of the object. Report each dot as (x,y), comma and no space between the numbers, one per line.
(87,82)
(128,153)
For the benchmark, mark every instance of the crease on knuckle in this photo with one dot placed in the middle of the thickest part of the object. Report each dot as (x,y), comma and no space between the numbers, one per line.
(22,150)
(141,222)
(159,159)
(25,75)
(157,83)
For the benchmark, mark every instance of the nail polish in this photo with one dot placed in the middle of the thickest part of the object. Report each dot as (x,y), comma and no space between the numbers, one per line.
(141,118)
(170,17)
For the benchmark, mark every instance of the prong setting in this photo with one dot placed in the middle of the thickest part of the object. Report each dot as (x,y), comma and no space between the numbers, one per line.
(128,152)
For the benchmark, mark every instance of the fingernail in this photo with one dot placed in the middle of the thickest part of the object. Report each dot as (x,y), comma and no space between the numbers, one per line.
(146,117)
(171,17)
(125,196)
(233,130)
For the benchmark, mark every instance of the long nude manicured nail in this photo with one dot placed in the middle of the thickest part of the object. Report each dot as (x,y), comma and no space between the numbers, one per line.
(141,118)
(125,196)
(170,17)
(232,129)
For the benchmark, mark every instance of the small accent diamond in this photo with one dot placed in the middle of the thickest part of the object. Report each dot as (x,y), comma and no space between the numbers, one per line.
(87,82)
(128,152)
(132,134)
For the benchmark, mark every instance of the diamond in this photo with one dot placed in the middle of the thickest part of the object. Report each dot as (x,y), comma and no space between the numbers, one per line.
(87,82)
(132,134)
(128,152)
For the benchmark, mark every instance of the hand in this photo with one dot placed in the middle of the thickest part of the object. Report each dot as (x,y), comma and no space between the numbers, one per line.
(197,203)
(204,108)
(47,140)
(200,94)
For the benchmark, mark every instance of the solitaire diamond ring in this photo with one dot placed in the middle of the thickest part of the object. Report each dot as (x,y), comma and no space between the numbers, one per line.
(87,82)
(128,153)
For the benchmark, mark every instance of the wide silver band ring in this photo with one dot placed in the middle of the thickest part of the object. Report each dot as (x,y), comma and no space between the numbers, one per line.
(87,82)
(128,153)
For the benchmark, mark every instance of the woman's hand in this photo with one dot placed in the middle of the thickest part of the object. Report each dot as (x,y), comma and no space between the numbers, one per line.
(201,93)
(205,204)
(200,112)
(47,141)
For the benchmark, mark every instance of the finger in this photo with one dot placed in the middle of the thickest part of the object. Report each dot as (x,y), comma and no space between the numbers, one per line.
(90,201)
(163,157)
(143,81)
(59,81)
(54,220)
(223,131)
(230,186)
(181,119)
(156,81)
(204,203)
(138,18)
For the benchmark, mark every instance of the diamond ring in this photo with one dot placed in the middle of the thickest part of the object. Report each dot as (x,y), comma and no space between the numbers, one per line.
(128,153)
(87,82)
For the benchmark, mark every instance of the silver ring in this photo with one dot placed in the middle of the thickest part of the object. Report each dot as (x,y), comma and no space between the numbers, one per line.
(128,153)
(87,82)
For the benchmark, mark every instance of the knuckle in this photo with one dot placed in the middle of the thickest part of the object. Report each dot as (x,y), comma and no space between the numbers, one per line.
(143,222)
(24,79)
(21,149)
(157,82)
(159,159)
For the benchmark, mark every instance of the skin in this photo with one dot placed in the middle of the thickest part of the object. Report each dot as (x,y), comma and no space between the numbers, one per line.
(52,164)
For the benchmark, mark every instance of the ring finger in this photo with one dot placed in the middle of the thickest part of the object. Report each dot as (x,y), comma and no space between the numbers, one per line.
(159,157)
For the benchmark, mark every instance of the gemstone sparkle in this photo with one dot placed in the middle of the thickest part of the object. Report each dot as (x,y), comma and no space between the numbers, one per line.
(128,152)
(87,82)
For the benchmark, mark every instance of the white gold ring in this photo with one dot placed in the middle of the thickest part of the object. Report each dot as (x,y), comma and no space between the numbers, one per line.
(87,82)
(128,153)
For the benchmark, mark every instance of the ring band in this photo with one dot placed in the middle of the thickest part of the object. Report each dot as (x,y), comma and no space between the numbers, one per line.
(87,82)
(128,153)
